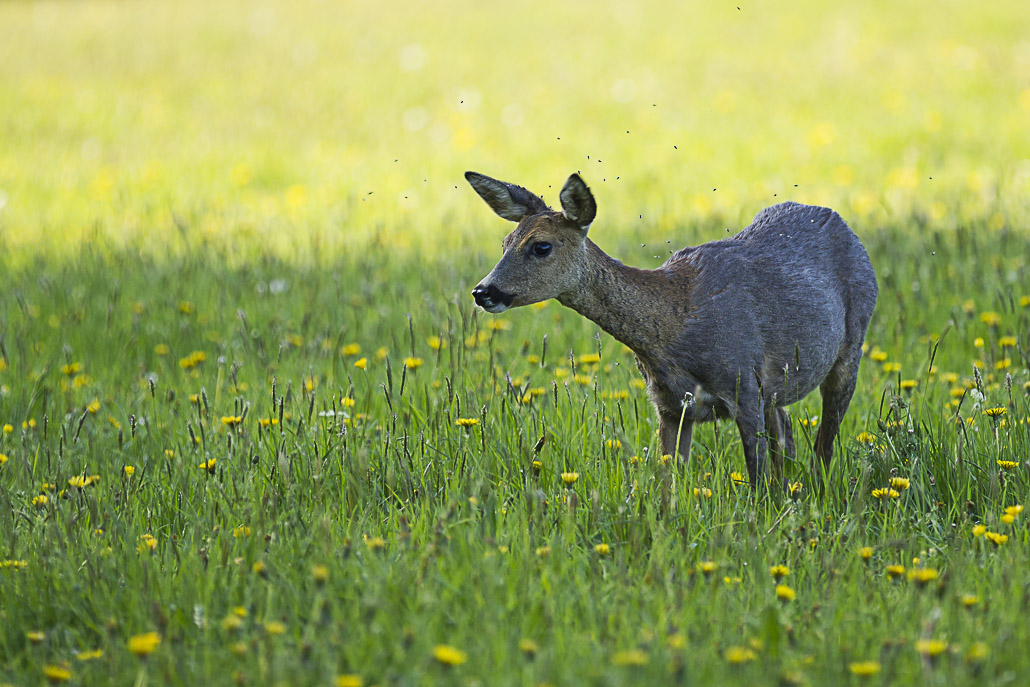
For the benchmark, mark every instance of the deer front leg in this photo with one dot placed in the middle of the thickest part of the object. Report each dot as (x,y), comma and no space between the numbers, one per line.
(668,425)
(751,423)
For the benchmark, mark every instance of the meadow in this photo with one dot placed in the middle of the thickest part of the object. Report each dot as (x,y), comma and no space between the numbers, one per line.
(254,431)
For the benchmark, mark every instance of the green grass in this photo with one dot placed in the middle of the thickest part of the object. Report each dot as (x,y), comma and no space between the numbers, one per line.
(274,187)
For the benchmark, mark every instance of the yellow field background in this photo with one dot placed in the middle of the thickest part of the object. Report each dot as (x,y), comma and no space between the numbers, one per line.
(307,129)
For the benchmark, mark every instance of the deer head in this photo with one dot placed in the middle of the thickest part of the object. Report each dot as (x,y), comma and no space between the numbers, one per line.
(546,255)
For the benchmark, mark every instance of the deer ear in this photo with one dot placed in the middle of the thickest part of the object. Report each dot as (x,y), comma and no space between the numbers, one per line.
(577,202)
(508,200)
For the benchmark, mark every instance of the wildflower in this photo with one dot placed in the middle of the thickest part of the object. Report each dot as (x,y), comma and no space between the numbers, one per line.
(412,363)
(676,641)
(274,627)
(990,318)
(232,623)
(537,466)
(55,673)
(231,420)
(240,531)
(129,470)
(864,668)
(589,358)
(569,478)
(349,680)
(877,356)
(467,421)
(320,574)
(996,538)
(89,655)
(1007,464)
(1014,510)
(885,493)
(543,551)
(208,465)
(895,571)
(3,458)
(900,483)
(602,549)
(739,654)
(707,567)
(8,428)
(970,600)
(374,543)
(148,543)
(35,636)
(1008,519)
(866,552)
(448,655)
(12,564)
(996,411)
(978,342)
(922,576)
(351,349)
(908,384)
(931,647)
(40,501)
(93,406)
(631,658)
(614,444)
(784,593)
(528,647)
(71,369)
(977,652)
(382,352)
(260,569)
(866,438)
(779,572)
(978,530)
(144,644)
(795,489)
(703,491)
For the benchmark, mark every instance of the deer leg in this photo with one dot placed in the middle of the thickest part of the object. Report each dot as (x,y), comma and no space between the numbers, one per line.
(788,433)
(668,425)
(751,423)
(836,390)
(776,440)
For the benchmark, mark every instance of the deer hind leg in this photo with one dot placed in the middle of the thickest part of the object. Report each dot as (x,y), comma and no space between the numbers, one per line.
(836,391)
(750,422)
(668,425)
(788,433)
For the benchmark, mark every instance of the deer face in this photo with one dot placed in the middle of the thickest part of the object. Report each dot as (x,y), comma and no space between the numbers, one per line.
(546,254)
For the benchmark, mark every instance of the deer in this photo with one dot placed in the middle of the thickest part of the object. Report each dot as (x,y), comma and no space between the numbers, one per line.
(737,328)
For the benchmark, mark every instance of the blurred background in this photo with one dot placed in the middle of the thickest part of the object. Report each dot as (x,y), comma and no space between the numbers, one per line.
(308,129)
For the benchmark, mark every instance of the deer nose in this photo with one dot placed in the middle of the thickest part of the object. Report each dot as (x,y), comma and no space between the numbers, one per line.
(490,295)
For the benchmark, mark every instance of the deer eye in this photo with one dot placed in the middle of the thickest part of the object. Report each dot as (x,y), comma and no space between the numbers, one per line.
(541,249)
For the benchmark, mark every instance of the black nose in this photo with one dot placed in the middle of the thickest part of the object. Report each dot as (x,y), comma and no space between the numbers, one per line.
(490,295)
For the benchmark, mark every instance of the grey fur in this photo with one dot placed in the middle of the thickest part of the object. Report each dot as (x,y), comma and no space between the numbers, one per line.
(737,328)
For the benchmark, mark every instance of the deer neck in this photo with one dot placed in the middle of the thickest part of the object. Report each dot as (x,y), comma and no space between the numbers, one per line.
(636,306)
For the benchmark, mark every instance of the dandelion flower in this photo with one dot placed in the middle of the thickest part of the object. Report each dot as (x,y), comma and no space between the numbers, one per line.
(467,421)
(707,567)
(970,600)
(448,655)
(631,658)
(996,538)
(231,420)
(543,551)
(739,654)
(412,363)
(996,411)
(885,493)
(864,668)
(866,552)
(208,464)
(274,627)
(361,363)
(977,652)
(737,478)
(320,574)
(703,491)
(923,576)
(374,543)
(129,470)
(40,501)
(55,673)
(528,647)
(779,572)
(895,571)
(569,478)
(1007,464)
(866,438)
(602,549)
(35,636)
(900,483)
(785,593)
(931,647)
(990,318)
(1014,510)
(795,489)
(349,680)
(144,644)
(260,569)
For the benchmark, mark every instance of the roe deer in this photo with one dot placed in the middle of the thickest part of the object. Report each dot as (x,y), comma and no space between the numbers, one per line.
(735,328)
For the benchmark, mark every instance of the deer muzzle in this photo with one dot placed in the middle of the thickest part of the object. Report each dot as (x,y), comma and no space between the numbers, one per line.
(491,298)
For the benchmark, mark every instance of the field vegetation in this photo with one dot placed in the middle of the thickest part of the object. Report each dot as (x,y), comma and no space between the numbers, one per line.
(253,429)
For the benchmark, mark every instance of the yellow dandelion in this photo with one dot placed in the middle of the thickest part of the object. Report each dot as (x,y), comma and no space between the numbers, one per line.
(467,421)
(779,572)
(785,593)
(349,680)
(129,470)
(35,636)
(895,571)
(3,458)
(1014,510)
(795,489)
(996,538)
(320,574)
(374,543)
(864,668)
(1008,519)
(631,658)
(866,438)
(990,318)
(970,600)
(602,549)
(703,491)
(40,501)
(259,568)
(89,655)
(739,654)
(361,363)
(144,644)
(208,464)
(866,552)
(996,411)
(543,551)
(931,647)
(885,493)
(737,478)
(707,567)
(1007,464)
(923,576)
(56,673)
(232,420)
(412,363)
(977,652)
(448,655)
(569,478)
(274,627)
(899,483)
